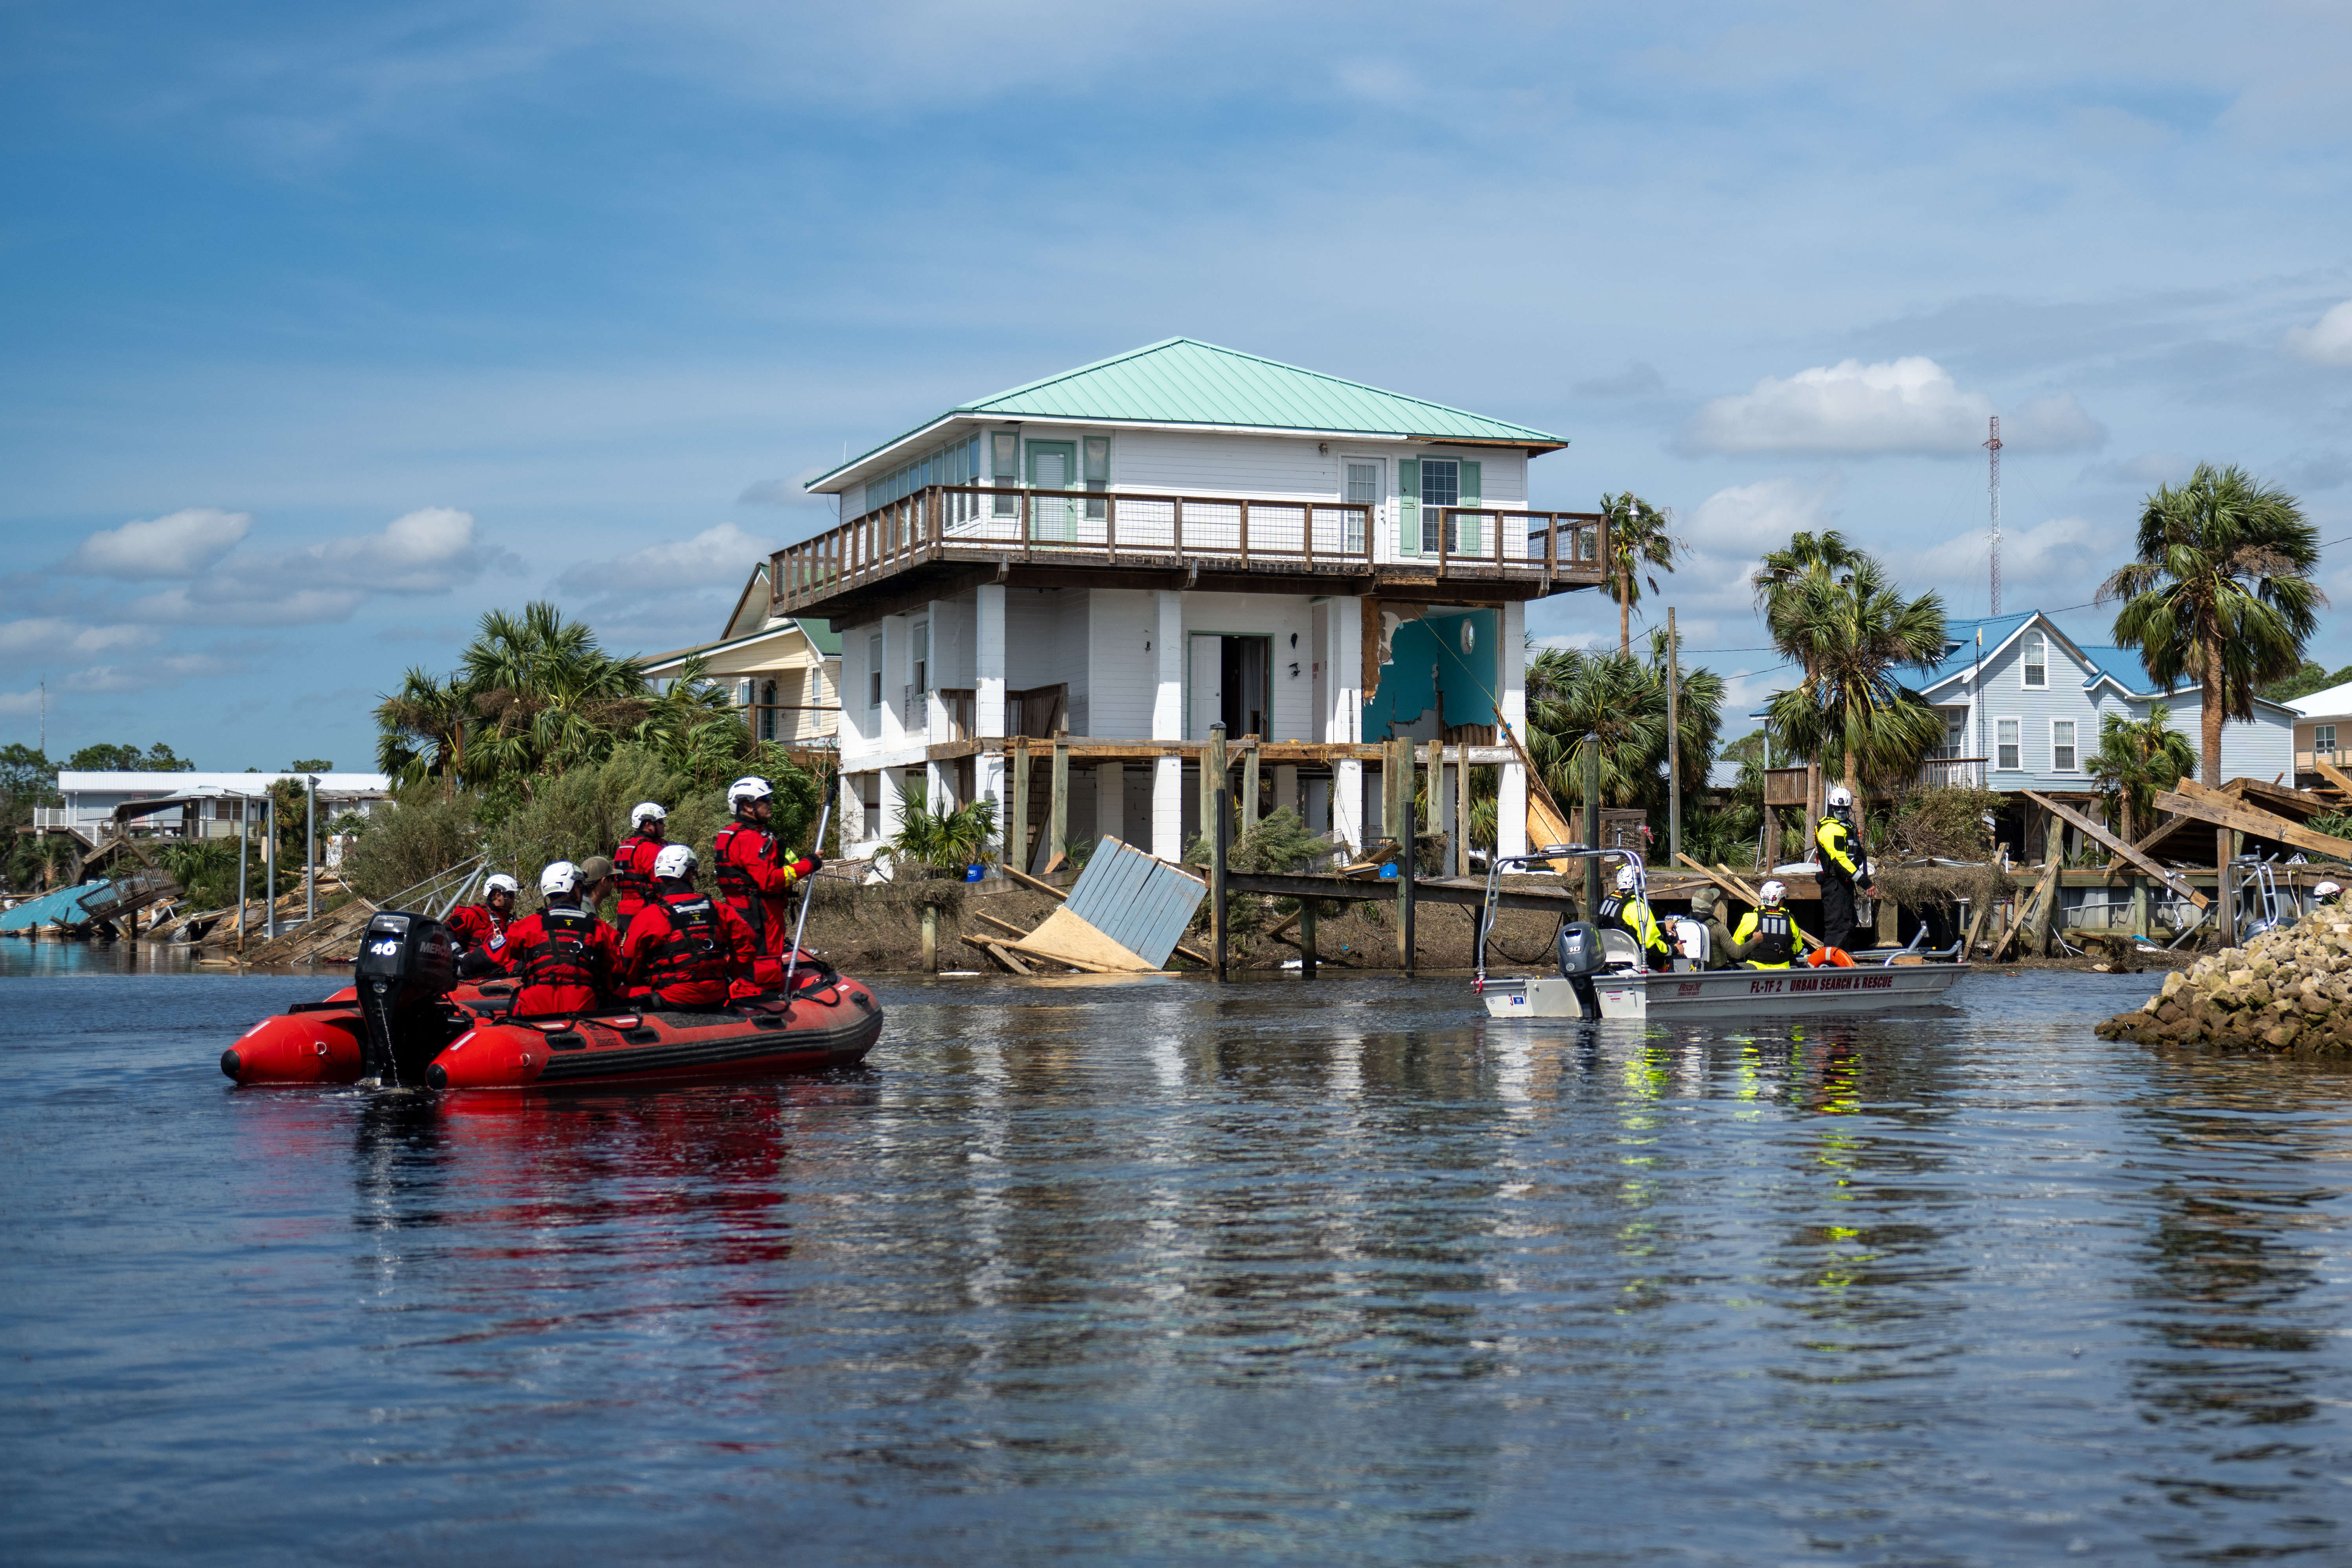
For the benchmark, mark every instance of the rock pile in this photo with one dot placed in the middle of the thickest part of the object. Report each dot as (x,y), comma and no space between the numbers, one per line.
(2287,990)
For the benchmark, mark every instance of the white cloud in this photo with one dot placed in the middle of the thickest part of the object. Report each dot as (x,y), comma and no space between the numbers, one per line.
(179,545)
(717,556)
(2048,566)
(1852,409)
(429,551)
(2327,340)
(12,703)
(2059,424)
(49,636)
(1748,520)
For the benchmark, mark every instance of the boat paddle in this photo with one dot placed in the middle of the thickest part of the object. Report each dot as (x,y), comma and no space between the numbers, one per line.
(800,922)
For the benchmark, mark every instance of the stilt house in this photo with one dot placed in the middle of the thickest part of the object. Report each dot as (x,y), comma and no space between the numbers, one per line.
(1102,566)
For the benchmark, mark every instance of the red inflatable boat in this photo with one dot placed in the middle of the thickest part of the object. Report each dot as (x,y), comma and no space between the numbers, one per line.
(408,1022)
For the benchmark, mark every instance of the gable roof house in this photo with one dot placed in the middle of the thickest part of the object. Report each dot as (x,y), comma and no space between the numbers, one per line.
(2022,701)
(1177,537)
(783,672)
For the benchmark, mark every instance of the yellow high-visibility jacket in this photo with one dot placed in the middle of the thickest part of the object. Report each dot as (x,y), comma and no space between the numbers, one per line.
(1836,848)
(1764,933)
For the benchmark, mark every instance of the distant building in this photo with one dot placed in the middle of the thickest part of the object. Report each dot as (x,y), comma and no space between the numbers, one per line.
(202,805)
(2323,727)
(2022,702)
(783,672)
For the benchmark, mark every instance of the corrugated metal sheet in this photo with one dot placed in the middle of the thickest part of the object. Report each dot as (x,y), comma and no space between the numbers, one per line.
(1138,901)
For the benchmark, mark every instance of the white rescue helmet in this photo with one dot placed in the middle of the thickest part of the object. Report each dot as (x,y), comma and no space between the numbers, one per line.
(647,808)
(1772,893)
(1628,879)
(500,882)
(560,878)
(751,789)
(675,860)
(2326,890)
(1840,798)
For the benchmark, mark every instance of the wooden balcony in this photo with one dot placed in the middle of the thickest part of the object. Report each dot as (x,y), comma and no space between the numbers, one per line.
(930,543)
(1952,773)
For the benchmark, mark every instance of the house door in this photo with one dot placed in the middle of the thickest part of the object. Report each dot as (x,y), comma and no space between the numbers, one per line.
(1204,684)
(1053,466)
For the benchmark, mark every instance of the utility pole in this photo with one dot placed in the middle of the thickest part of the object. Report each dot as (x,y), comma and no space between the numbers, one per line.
(1673,742)
(1993,446)
(310,849)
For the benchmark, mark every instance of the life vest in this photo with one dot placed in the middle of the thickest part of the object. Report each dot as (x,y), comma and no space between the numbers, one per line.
(1611,909)
(634,880)
(733,880)
(1775,942)
(564,955)
(1837,858)
(695,948)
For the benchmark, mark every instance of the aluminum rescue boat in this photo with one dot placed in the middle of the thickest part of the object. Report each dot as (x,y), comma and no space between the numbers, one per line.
(407,1022)
(1605,974)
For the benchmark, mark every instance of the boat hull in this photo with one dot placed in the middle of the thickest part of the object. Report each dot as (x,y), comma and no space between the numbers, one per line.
(1777,993)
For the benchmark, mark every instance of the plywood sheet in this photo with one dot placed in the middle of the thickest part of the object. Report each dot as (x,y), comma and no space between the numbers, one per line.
(1063,936)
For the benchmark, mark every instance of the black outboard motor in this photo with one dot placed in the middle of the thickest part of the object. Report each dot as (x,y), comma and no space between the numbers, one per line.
(1581,958)
(406,964)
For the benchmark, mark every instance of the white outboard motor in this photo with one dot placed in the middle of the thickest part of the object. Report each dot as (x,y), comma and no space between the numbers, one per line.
(407,964)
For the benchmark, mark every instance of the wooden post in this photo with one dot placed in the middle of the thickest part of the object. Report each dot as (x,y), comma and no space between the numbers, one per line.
(930,939)
(1058,846)
(1462,810)
(1219,828)
(1592,822)
(1673,744)
(1306,938)
(2235,843)
(1016,839)
(1404,893)
(1249,784)
(2053,856)
(1437,795)
(2139,905)
(1890,933)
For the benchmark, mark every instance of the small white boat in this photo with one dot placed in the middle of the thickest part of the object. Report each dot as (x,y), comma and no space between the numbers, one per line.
(1601,973)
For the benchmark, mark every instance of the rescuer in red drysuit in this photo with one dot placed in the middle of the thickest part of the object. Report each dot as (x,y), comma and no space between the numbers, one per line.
(566,958)
(633,860)
(684,949)
(482,931)
(754,876)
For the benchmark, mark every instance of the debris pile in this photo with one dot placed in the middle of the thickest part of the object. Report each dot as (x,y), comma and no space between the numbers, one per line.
(2287,990)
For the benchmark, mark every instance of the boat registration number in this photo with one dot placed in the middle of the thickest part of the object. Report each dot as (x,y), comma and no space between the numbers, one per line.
(1792,983)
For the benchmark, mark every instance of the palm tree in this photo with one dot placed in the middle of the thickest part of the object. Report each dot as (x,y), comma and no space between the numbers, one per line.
(2137,757)
(1637,537)
(1623,701)
(945,841)
(551,694)
(1825,555)
(1851,631)
(422,729)
(2221,594)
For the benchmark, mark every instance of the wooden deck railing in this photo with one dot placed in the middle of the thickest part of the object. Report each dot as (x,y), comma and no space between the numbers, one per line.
(1108,528)
(1952,773)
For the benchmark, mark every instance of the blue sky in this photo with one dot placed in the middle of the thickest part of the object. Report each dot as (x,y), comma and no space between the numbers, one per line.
(328,328)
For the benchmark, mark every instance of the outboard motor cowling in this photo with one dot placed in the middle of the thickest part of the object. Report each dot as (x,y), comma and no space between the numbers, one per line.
(1581,958)
(407,964)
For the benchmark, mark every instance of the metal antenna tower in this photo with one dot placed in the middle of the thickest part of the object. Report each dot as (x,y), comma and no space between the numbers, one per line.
(1993,446)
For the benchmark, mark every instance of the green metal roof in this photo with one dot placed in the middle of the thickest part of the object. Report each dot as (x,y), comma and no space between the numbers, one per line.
(821,635)
(1181,382)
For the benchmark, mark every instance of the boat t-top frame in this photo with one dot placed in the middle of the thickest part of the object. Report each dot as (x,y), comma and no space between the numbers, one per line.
(1487,909)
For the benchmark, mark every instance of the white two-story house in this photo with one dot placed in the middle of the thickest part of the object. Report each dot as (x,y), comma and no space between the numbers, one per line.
(2022,702)
(1180,537)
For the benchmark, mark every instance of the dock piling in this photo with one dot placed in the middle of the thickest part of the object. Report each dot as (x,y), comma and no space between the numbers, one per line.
(1218,827)
(1404,890)
(1307,954)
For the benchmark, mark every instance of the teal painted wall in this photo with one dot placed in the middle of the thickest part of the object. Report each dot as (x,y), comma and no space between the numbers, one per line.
(1426,661)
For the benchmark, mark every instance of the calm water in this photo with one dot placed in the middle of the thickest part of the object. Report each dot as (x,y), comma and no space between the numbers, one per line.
(1164,1273)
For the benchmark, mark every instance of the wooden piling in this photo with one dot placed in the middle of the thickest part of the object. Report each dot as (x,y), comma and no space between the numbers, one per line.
(1016,837)
(1405,891)
(2140,906)
(2054,853)
(1307,954)
(1462,810)
(1058,846)
(1219,828)
(930,939)
(1249,784)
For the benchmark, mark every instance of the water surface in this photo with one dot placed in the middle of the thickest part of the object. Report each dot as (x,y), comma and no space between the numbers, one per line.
(1280,1272)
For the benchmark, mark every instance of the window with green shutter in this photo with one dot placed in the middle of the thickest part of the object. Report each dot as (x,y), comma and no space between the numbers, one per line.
(1440,483)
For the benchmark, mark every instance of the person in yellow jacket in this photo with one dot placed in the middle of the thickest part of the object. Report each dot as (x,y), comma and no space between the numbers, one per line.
(1768,937)
(1628,911)
(1846,867)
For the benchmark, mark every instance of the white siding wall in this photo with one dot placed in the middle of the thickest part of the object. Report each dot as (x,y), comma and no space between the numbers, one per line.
(1274,616)
(1122,677)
